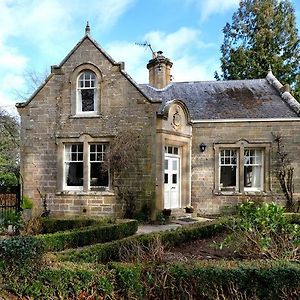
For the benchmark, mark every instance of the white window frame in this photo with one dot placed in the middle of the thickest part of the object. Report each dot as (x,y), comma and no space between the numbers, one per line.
(257,163)
(92,85)
(97,154)
(241,146)
(231,163)
(64,158)
(68,159)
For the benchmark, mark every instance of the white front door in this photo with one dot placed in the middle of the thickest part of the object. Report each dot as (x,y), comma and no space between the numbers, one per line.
(172,182)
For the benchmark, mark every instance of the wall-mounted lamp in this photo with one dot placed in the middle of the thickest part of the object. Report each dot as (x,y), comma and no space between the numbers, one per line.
(202,147)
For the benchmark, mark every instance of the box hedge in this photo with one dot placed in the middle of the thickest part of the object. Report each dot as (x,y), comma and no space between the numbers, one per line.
(263,280)
(52,225)
(79,237)
(111,251)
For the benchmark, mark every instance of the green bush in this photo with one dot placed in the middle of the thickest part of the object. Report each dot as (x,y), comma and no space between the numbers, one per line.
(111,251)
(52,225)
(26,203)
(11,218)
(207,280)
(19,256)
(262,230)
(293,218)
(86,236)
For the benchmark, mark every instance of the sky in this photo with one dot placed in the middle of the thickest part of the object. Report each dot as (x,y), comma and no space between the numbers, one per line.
(35,34)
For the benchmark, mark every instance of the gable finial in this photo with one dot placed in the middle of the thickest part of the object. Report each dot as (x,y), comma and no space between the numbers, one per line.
(87,28)
(270,69)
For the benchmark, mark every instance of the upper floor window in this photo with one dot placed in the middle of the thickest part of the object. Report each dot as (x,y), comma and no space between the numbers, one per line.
(86,92)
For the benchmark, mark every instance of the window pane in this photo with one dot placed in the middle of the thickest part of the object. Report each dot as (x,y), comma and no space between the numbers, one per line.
(166,178)
(228,176)
(176,150)
(166,164)
(87,98)
(99,176)
(252,177)
(74,173)
(174,178)
(174,165)
(253,169)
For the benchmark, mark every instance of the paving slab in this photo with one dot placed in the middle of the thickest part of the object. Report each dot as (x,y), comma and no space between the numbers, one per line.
(143,229)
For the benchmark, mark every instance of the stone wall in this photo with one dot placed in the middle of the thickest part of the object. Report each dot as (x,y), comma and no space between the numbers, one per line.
(204,196)
(49,118)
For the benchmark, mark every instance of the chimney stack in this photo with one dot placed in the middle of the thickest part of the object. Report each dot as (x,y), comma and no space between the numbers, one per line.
(159,71)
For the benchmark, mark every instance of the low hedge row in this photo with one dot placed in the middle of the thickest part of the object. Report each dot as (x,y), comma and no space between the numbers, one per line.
(51,225)
(208,280)
(111,251)
(88,235)
(293,217)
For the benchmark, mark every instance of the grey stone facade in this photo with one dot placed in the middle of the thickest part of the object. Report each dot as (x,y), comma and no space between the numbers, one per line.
(180,116)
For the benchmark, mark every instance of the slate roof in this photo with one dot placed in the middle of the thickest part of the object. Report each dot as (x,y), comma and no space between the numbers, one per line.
(232,99)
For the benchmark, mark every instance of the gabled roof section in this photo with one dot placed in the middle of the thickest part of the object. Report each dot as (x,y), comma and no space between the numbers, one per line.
(232,99)
(55,68)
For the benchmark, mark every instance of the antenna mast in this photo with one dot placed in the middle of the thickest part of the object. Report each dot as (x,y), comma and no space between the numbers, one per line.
(146,45)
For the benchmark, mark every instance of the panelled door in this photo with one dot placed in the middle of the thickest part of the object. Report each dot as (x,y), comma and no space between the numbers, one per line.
(172,182)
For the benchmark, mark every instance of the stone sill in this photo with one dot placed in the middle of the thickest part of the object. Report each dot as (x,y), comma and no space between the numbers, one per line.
(81,116)
(245,193)
(82,193)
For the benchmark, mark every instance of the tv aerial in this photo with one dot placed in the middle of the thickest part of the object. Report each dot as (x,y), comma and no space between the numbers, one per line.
(147,45)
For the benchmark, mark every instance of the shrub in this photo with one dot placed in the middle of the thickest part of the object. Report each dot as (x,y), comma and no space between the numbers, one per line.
(262,230)
(19,257)
(209,280)
(293,218)
(86,236)
(11,218)
(141,244)
(52,225)
(26,203)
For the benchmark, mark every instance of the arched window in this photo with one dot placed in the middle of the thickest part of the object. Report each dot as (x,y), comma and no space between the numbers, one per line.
(86,92)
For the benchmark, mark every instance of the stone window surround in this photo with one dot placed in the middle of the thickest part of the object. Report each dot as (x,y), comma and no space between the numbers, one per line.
(240,147)
(86,139)
(74,94)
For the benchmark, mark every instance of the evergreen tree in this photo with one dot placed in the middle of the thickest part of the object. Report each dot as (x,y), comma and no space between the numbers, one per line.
(263,34)
(9,150)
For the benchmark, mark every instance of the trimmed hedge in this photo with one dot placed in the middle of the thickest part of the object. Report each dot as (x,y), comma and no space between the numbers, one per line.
(212,280)
(111,251)
(52,225)
(86,236)
(293,218)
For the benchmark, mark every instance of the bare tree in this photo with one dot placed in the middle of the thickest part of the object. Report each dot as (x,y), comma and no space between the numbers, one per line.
(122,161)
(33,81)
(285,172)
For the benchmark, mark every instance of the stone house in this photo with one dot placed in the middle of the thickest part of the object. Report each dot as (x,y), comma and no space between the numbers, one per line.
(205,144)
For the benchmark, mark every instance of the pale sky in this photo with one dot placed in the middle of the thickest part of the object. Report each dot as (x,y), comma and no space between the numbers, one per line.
(35,34)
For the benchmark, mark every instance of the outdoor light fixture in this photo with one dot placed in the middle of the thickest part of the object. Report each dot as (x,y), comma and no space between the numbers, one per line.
(202,147)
